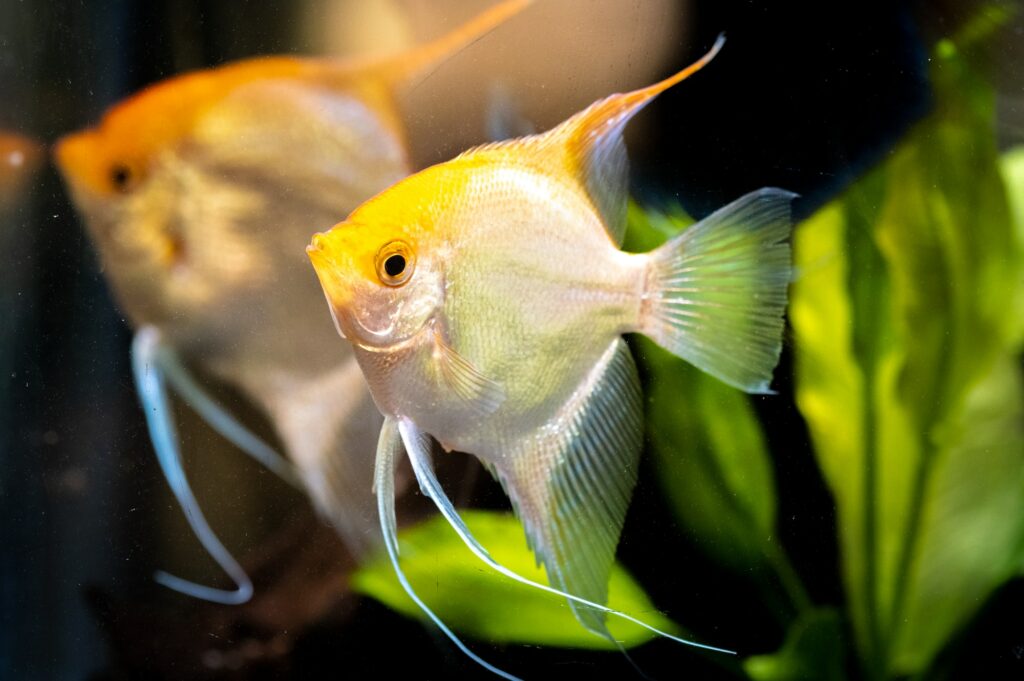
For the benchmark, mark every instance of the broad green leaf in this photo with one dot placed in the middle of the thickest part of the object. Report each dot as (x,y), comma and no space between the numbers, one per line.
(814,651)
(474,599)
(707,446)
(902,307)
(711,458)
(1013,176)
(972,529)
(1012,166)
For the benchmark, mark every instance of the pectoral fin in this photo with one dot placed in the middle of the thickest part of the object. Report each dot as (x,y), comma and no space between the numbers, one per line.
(572,479)
(388,449)
(463,379)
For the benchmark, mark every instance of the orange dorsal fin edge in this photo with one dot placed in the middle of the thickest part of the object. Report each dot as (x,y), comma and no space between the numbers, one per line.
(593,147)
(376,79)
(608,116)
(398,69)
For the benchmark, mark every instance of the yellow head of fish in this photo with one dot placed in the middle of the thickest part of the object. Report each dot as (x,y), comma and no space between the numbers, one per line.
(382,270)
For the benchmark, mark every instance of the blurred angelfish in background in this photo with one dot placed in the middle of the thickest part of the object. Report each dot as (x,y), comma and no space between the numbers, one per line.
(199,192)
(486,299)
(20,158)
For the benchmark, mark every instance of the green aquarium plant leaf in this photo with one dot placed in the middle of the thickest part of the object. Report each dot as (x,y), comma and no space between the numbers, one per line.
(473,599)
(814,651)
(902,309)
(709,451)
(1012,165)
(972,530)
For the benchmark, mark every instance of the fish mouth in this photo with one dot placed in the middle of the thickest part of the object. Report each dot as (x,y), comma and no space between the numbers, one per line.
(76,157)
(325,267)
(364,335)
(335,291)
(70,154)
(340,296)
(353,329)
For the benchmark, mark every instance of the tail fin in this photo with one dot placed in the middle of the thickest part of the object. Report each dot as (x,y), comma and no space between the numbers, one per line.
(715,295)
(402,67)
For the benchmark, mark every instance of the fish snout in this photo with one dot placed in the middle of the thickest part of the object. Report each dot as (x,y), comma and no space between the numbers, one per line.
(68,152)
(317,247)
(330,280)
(319,255)
(76,157)
(327,268)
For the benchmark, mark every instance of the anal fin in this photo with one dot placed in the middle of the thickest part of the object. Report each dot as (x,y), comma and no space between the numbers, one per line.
(329,425)
(389,447)
(571,481)
(417,446)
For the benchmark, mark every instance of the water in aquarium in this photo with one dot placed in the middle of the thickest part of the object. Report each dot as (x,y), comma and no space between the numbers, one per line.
(471,339)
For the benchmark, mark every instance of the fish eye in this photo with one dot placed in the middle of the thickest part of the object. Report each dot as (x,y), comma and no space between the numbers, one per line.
(122,177)
(395,263)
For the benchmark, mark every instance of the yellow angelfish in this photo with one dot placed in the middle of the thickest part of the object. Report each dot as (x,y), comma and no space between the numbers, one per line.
(20,158)
(486,299)
(198,193)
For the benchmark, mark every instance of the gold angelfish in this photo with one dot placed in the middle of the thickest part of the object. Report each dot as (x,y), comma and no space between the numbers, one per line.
(486,299)
(20,158)
(198,192)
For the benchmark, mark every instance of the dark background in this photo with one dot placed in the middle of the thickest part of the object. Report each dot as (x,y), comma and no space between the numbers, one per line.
(807,95)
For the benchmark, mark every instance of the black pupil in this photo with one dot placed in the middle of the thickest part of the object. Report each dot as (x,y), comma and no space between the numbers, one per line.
(120,175)
(394,265)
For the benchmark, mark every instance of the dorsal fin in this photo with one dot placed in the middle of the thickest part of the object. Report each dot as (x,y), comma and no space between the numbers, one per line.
(398,69)
(589,146)
(592,140)
(376,78)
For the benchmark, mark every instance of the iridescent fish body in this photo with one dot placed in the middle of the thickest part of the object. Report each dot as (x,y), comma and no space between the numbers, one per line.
(486,299)
(199,192)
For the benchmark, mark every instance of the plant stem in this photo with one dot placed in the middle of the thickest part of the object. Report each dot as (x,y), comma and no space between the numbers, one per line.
(875,654)
(788,577)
